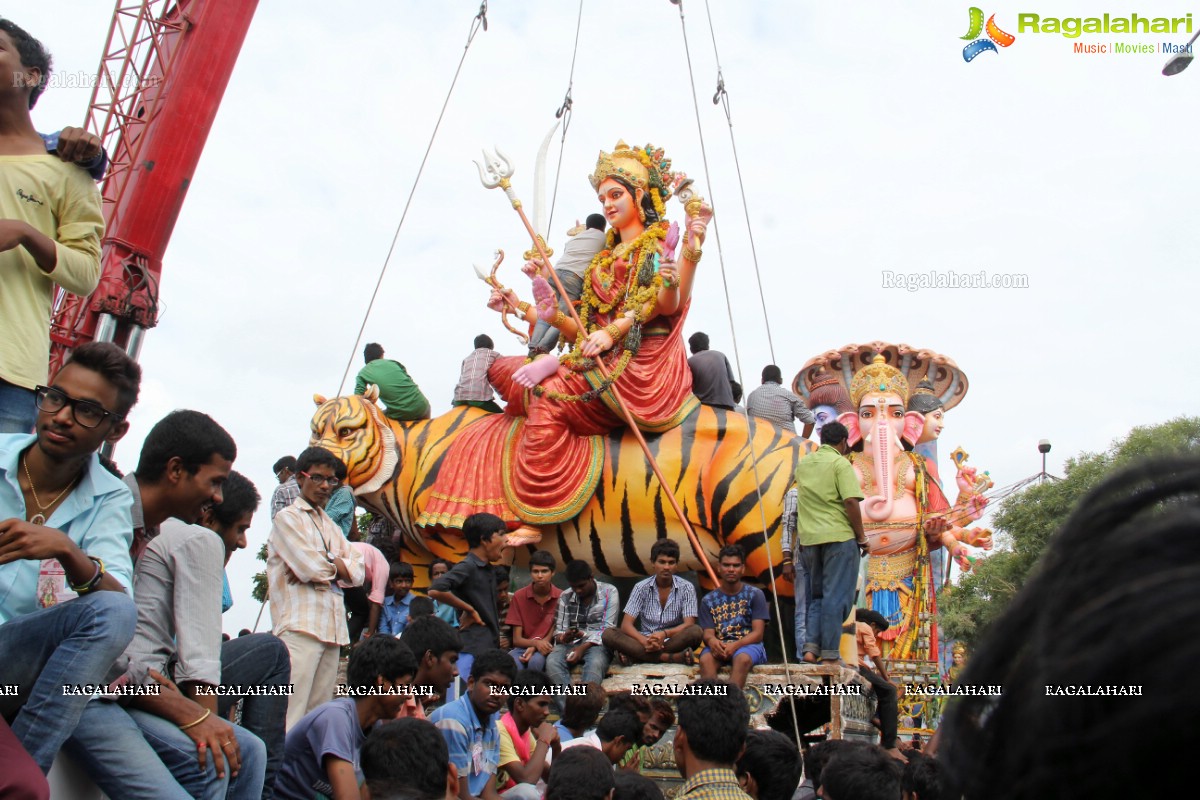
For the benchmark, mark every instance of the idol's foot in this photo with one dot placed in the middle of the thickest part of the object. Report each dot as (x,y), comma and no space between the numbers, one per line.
(522,536)
(536,371)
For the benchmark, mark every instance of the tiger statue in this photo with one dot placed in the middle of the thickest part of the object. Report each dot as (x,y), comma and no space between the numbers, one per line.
(392,466)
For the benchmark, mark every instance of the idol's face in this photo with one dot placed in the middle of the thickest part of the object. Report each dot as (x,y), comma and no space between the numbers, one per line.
(823,414)
(619,204)
(869,410)
(935,421)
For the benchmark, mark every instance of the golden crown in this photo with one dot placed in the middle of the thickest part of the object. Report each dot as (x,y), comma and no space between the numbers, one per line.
(642,167)
(878,376)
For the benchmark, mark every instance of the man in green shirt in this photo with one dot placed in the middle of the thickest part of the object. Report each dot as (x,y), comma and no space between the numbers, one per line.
(829,527)
(401,397)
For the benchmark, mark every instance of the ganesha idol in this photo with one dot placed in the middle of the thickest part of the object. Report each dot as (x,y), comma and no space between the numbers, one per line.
(905,513)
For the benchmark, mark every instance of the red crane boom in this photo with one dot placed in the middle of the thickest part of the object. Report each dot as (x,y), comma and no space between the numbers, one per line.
(164,70)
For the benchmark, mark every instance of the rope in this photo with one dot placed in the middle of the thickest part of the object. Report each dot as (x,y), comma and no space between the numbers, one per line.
(722,97)
(564,113)
(479,21)
(787,665)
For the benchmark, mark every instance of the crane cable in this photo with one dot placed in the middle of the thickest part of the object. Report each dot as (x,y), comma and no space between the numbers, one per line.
(479,21)
(564,113)
(737,358)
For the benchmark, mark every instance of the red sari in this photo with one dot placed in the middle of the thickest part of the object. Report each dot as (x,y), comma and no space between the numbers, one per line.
(540,461)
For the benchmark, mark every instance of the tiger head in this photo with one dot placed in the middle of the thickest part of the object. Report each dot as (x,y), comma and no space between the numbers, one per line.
(354,429)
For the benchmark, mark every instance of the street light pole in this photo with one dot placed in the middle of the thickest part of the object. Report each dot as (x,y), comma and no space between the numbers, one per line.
(1180,61)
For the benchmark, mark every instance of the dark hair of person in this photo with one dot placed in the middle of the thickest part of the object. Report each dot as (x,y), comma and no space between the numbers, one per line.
(421,606)
(314,457)
(871,617)
(620,722)
(662,710)
(596,221)
(502,573)
(339,470)
(400,569)
(664,547)
(820,754)
(732,551)
(772,374)
(580,773)
(494,660)
(861,773)
(114,365)
(244,632)
(379,657)
(479,528)
(410,751)
(632,786)
(773,761)
(922,776)
(581,711)
(238,497)
(627,700)
(449,564)
(543,558)
(372,351)
(715,724)
(532,680)
(833,433)
(191,436)
(577,571)
(287,462)
(33,55)
(484,341)
(698,342)
(431,635)
(1127,560)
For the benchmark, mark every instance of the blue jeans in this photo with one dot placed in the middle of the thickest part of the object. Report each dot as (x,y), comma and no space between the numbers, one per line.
(259,659)
(545,335)
(800,582)
(536,661)
(18,412)
(69,643)
(832,572)
(133,754)
(595,665)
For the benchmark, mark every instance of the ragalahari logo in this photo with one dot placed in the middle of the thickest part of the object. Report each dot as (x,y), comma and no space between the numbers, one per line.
(995,36)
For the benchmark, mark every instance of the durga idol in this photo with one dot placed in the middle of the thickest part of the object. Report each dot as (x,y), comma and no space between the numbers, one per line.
(550,441)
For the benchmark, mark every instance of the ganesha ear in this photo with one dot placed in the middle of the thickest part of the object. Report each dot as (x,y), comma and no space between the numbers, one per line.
(371,394)
(914,423)
(850,420)
(319,400)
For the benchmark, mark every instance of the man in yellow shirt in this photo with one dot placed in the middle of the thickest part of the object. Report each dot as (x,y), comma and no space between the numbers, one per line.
(50,229)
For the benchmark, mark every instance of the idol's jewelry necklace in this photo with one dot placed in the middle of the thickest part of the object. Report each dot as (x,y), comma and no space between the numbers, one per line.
(40,517)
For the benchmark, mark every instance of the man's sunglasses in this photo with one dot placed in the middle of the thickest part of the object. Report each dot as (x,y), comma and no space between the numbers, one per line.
(86,413)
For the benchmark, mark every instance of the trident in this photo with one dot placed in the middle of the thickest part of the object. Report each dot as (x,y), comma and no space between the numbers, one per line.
(499,169)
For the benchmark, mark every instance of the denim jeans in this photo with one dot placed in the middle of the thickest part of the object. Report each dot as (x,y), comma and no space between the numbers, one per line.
(800,583)
(832,572)
(70,643)
(595,665)
(259,659)
(545,335)
(132,755)
(18,412)
(536,661)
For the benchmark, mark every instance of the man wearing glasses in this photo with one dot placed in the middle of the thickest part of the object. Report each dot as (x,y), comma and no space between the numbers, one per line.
(65,531)
(306,556)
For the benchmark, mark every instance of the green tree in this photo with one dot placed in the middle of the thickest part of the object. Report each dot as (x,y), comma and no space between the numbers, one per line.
(259,591)
(1026,521)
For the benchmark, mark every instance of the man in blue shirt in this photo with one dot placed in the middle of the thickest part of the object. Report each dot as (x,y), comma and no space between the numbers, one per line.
(733,617)
(65,530)
(469,727)
(394,618)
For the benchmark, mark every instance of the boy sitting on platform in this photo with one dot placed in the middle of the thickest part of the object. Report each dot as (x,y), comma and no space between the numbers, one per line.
(733,617)
(527,740)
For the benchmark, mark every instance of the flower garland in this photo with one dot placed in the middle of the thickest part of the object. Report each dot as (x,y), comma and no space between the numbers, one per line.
(641,291)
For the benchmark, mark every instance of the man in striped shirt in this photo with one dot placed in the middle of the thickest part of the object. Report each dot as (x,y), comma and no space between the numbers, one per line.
(664,610)
(306,556)
(473,387)
(776,404)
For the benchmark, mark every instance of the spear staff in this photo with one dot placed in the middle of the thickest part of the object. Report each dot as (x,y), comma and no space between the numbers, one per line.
(499,170)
